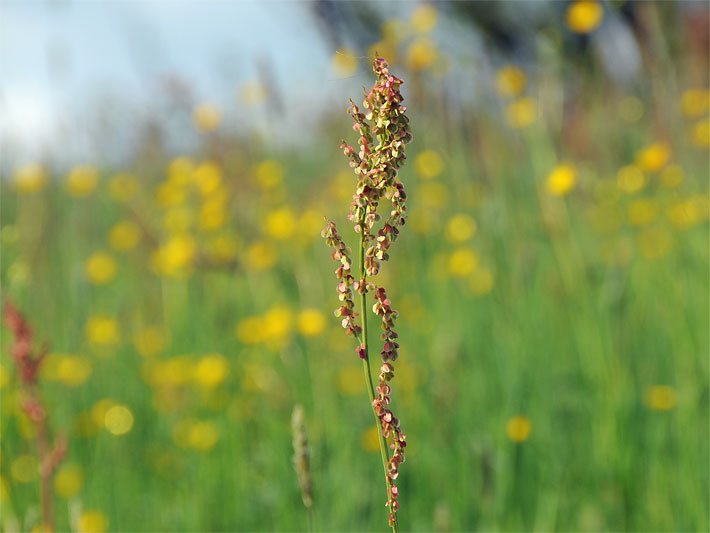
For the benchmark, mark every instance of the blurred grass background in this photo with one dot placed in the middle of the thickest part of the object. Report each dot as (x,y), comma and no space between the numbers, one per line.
(552,282)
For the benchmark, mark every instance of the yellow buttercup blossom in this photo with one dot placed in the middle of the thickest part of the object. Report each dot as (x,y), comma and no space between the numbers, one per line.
(254,93)
(519,428)
(695,102)
(428,164)
(208,177)
(82,180)
(661,398)
(178,219)
(432,195)
(481,281)
(462,262)
(280,224)
(521,113)
(199,435)
(685,214)
(460,228)
(393,30)
(102,331)
(250,330)
(180,171)
(700,133)
(124,236)
(672,176)
(311,322)
(424,18)
(151,341)
(269,174)
(642,212)
(211,370)
(68,480)
(71,370)
(370,440)
(206,117)
(345,62)
(421,54)
(30,178)
(561,180)
(630,179)
(24,469)
(213,213)
(118,420)
(654,157)
(654,242)
(92,522)
(101,268)
(584,16)
(384,48)
(123,187)
(511,81)
(277,323)
(310,224)
(175,257)
(222,248)
(260,256)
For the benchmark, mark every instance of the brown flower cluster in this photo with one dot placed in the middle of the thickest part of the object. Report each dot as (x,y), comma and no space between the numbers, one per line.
(383,130)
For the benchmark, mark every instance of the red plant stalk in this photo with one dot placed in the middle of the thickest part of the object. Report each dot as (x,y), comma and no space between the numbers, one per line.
(28,365)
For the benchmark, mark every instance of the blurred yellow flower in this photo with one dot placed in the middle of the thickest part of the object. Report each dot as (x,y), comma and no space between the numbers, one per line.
(123,187)
(428,164)
(642,212)
(695,102)
(151,341)
(280,224)
(208,178)
(350,381)
(181,170)
(384,48)
(254,93)
(173,372)
(24,468)
(260,256)
(393,30)
(71,370)
(686,213)
(370,439)
(661,398)
(481,281)
(672,176)
(68,480)
(561,180)
(519,428)
(222,248)
(178,219)
(102,331)
(521,113)
(199,435)
(175,257)
(99,410)
(92,522)
(630,179)
(82,180)
(511,81)
(460,228)
(206,117)
(311,322)
(654,242)
(250,330)
(118,420)
(424,18)
(700,134)
(345,62)
(421,54)
(169,194)
(462,262)
(654,157)
(213,213)
(30,178)
(124,236)
(269,174)
(310,224)
(584,16)
(211,370)
(277,323)
(101,268)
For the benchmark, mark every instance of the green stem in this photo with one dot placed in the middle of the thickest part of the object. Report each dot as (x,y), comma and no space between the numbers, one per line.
(368,373)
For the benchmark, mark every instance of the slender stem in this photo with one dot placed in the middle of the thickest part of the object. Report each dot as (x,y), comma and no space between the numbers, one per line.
(368,373)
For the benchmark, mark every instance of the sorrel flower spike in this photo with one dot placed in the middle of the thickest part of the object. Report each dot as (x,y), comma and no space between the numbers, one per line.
(383,133)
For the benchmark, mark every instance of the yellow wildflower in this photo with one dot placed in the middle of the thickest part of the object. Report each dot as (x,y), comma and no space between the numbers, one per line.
(92,522)
(260,256)
(178,219)
(460,228)
(672,176)
(175,257)
(71,370)
(30,179)
(123,187)
(269,174)
(584,16)
(208,178)
(124,236)
(428,164)
(213,213)
(102,331)
(695,102)
(642,212)
(561,180)
(421,54)
(345,62)
(151,341)
(630,179)
(199,435)
(393,30)
(519,428)
(82,180)
(68,480)
(211,370)
(521,113)
(311,322)
(654,157)
(280,224)
(206,117)
(481,281)
(254,93)
(700,134)
(424,18)
(431,196)
(24,469)
(654,243)
(511,81)
(222,248)
(101,268)
(118,420)
(384,48)
(462,262)
(661,398)
(250,330)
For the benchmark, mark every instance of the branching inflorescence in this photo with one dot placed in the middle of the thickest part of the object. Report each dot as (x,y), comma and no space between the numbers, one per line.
(383,130)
